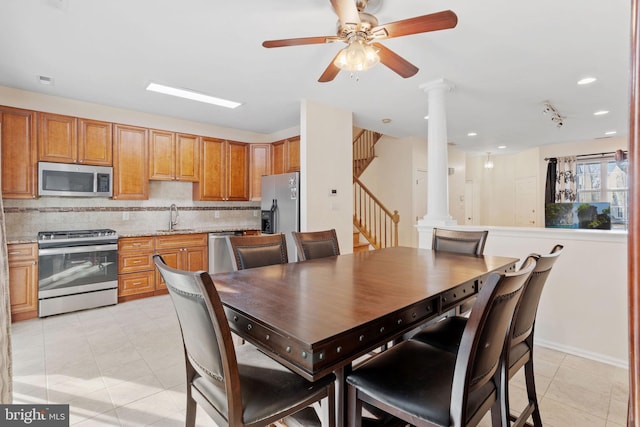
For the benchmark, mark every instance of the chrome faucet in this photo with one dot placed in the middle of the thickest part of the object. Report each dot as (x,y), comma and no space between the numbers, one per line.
(173,221)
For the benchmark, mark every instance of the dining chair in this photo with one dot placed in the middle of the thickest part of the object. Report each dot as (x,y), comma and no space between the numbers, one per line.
(257,251)
(235,386)
(459,241)
(427,386)
(316,244)
(469,242)
(447,333)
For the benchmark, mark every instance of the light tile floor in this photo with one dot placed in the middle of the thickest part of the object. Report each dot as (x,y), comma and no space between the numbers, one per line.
(123,366)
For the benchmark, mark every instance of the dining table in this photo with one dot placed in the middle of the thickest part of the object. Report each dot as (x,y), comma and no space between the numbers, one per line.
(319,316)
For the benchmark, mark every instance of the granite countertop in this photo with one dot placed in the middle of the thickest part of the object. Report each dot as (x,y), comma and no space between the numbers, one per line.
(139,232)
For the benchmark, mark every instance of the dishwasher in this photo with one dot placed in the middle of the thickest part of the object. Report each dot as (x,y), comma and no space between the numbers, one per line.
(220,253)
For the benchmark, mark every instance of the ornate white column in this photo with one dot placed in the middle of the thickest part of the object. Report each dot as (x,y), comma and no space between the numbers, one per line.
(438,163)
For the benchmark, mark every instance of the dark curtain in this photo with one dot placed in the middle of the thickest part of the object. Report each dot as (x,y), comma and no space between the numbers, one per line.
(550,189)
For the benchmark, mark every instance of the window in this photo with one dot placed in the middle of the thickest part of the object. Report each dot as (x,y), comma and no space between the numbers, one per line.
(605,180)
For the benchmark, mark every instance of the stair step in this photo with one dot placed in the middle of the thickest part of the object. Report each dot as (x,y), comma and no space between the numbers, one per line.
(359,246)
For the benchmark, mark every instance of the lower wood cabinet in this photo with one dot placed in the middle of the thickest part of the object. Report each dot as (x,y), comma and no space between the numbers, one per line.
(136,271)
(137,275)
(23,280)
(182,251)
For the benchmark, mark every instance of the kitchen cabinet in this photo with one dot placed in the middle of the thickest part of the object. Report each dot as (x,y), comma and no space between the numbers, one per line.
(224,171)
(66,139)
(136,271)
(18,145)
(182,251)
(286,156)
(174,157)
(259,165)
(23,280)
(57,138)
(95,142)
(130,163)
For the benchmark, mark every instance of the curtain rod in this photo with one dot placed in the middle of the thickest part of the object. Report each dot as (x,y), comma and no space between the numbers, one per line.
(592,154)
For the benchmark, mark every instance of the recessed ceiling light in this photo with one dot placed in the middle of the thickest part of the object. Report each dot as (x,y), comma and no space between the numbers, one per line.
(194,96)
(426,117)
(611,132)
(472,134)
(502,147)
(587,80)
(601,113)
(385,121)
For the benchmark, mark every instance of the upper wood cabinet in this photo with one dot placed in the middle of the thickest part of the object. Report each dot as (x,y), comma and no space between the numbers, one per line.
(174,157)
(224,171)
(66,139)
(286,156)
(95,142)
(259,165)
(130,159)
(18,144)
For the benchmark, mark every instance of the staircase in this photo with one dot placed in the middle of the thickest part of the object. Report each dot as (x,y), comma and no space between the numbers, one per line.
(373,222)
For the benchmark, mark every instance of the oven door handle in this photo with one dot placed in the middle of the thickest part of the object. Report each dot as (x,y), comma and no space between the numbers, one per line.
(77,249)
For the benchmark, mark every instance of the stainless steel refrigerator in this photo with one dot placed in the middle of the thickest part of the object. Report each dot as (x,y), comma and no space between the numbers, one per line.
(281,207)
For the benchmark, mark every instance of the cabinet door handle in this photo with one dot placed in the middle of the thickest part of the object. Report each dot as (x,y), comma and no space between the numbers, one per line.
(15,253)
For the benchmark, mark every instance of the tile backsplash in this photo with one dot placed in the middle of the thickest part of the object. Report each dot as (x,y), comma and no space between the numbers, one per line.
(27,217)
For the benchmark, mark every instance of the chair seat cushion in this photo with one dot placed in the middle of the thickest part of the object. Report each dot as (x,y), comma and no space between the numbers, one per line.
(267,386)
(416,378)
(445,334)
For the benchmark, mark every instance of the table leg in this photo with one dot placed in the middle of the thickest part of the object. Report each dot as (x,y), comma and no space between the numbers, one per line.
(341,395)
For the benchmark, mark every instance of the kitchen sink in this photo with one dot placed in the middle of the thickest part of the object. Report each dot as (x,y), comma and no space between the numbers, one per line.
(176,230)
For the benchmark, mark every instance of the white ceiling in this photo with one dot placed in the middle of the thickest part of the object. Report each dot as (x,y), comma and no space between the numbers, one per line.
(505,58)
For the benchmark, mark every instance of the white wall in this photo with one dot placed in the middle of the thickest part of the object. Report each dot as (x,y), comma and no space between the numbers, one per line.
(326,163)
(583,309)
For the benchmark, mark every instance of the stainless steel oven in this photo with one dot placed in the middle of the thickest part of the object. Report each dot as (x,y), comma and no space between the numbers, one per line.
(77,270)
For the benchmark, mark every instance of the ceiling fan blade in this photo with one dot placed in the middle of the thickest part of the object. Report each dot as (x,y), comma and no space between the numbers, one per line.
(330,72)
(347,11)
(300,41)
(394,61)
(419,24)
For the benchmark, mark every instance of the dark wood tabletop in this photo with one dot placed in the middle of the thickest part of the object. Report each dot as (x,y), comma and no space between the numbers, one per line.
(319,315)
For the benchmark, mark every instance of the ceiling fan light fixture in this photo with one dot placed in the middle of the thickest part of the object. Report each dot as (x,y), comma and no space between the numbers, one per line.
(358,56)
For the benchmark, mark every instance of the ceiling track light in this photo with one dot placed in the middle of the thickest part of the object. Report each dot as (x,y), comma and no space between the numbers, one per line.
(555,115)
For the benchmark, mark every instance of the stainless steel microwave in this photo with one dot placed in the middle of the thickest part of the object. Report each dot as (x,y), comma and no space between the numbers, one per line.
(62,179)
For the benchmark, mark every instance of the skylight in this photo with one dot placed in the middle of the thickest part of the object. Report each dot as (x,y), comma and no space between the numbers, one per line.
(194,96)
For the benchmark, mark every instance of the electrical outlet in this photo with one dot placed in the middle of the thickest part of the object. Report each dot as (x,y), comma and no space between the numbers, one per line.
(216,214)
(255,213)
(125,216)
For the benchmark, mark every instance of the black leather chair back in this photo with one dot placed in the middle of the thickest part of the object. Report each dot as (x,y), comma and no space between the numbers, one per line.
(316,244)
(203,324)
(258,251)
(526,314)
(459,241)
(484,336)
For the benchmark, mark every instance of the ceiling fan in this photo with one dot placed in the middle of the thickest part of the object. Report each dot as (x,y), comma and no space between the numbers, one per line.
(360,31)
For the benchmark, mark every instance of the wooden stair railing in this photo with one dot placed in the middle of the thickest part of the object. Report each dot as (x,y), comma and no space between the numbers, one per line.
(376,223)
(363,152)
